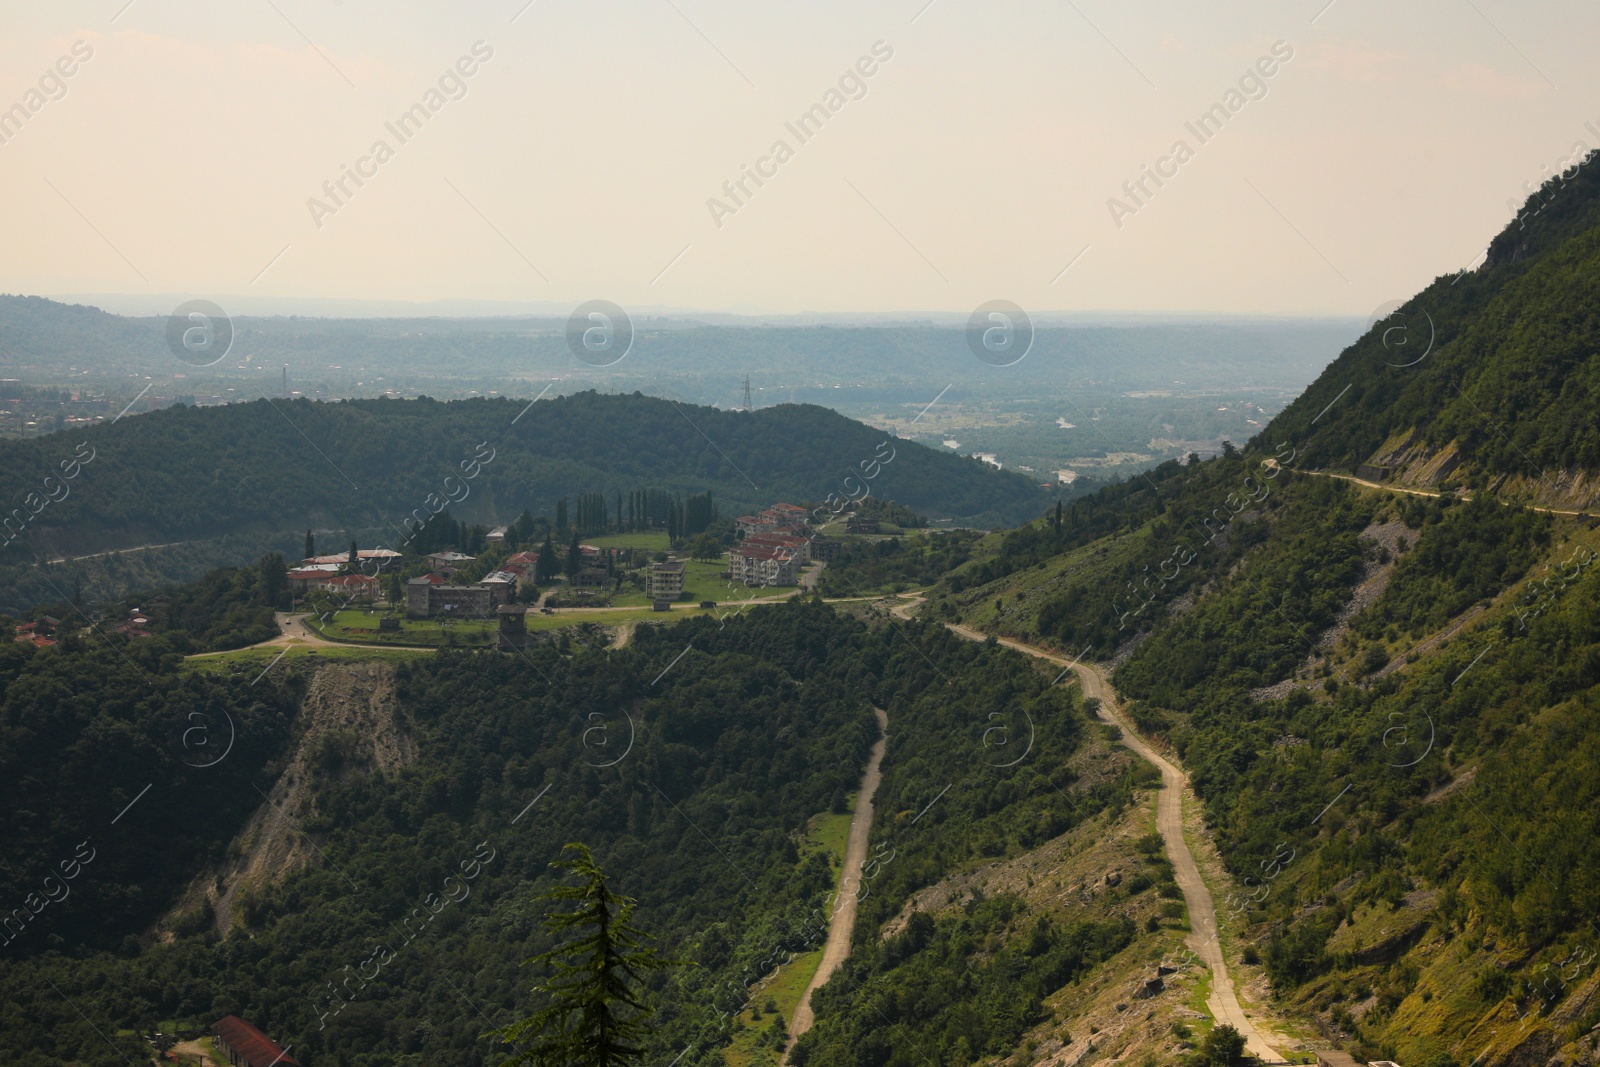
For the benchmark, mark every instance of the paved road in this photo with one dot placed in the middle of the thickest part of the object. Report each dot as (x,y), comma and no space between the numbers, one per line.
(294,633)
(837,948)
(1224,1002)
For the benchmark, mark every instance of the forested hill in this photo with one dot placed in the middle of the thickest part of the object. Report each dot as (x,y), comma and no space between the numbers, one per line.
(1488,379)
(268,466)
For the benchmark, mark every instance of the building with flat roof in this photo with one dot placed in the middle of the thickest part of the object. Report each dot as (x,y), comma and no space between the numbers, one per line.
(427,597)
(666,580)
(761,565)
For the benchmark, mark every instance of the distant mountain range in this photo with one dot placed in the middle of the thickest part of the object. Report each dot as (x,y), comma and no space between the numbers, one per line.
(46,342)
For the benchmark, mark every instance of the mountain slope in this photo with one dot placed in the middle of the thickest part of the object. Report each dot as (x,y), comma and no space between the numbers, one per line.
(1489,379)
(1388,703)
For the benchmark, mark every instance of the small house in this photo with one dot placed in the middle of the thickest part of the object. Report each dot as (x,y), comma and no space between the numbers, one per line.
(447,563)
(246,1046)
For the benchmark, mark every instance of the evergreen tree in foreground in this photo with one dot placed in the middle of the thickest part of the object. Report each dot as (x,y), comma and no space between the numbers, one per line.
(595,1017)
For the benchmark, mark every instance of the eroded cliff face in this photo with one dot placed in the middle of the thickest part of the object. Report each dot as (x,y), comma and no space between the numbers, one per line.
(349,724)
(1407,461)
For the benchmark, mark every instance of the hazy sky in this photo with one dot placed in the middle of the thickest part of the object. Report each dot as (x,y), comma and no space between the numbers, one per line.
(976,162)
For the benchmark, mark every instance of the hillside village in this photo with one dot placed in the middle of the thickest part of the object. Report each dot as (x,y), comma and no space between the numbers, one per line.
(456,583)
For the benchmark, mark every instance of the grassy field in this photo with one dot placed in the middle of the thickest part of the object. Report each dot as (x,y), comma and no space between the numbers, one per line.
(359,626)
(828,833)
(254,660)
(650,540)
(783,991)
(602,616)
(701,581)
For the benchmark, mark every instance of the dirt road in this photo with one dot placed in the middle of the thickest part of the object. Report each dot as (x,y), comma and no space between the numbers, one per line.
(837,948)
(1223,1002)
(1427,492)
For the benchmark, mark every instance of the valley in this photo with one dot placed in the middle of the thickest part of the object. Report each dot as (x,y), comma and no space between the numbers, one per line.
(520,632)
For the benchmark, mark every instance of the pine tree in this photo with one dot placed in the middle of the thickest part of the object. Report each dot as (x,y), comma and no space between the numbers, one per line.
(596,1016)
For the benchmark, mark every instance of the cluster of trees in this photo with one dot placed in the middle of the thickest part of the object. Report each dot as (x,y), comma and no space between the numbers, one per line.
(1467,553)
(895,563)
(1258,622)
(229,608)
(1117,507)
(954,997)
(85,727)
(589,514)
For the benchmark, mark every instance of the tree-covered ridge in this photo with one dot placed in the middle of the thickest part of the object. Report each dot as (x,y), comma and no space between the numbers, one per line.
(1503,361)
(185,473)
(1263,616)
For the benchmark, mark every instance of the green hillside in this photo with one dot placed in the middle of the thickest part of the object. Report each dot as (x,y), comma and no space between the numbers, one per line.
(1488,379)
(249,478)
(1388,701)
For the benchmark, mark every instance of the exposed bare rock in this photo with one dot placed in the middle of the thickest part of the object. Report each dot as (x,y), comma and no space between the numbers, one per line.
(1375,577)
(347,725)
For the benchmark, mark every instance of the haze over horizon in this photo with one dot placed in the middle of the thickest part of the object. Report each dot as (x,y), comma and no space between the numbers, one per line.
(605,153)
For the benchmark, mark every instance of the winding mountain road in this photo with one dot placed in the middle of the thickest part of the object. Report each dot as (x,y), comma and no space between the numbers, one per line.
(1224,1001)
(1408,491)
(843,923)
